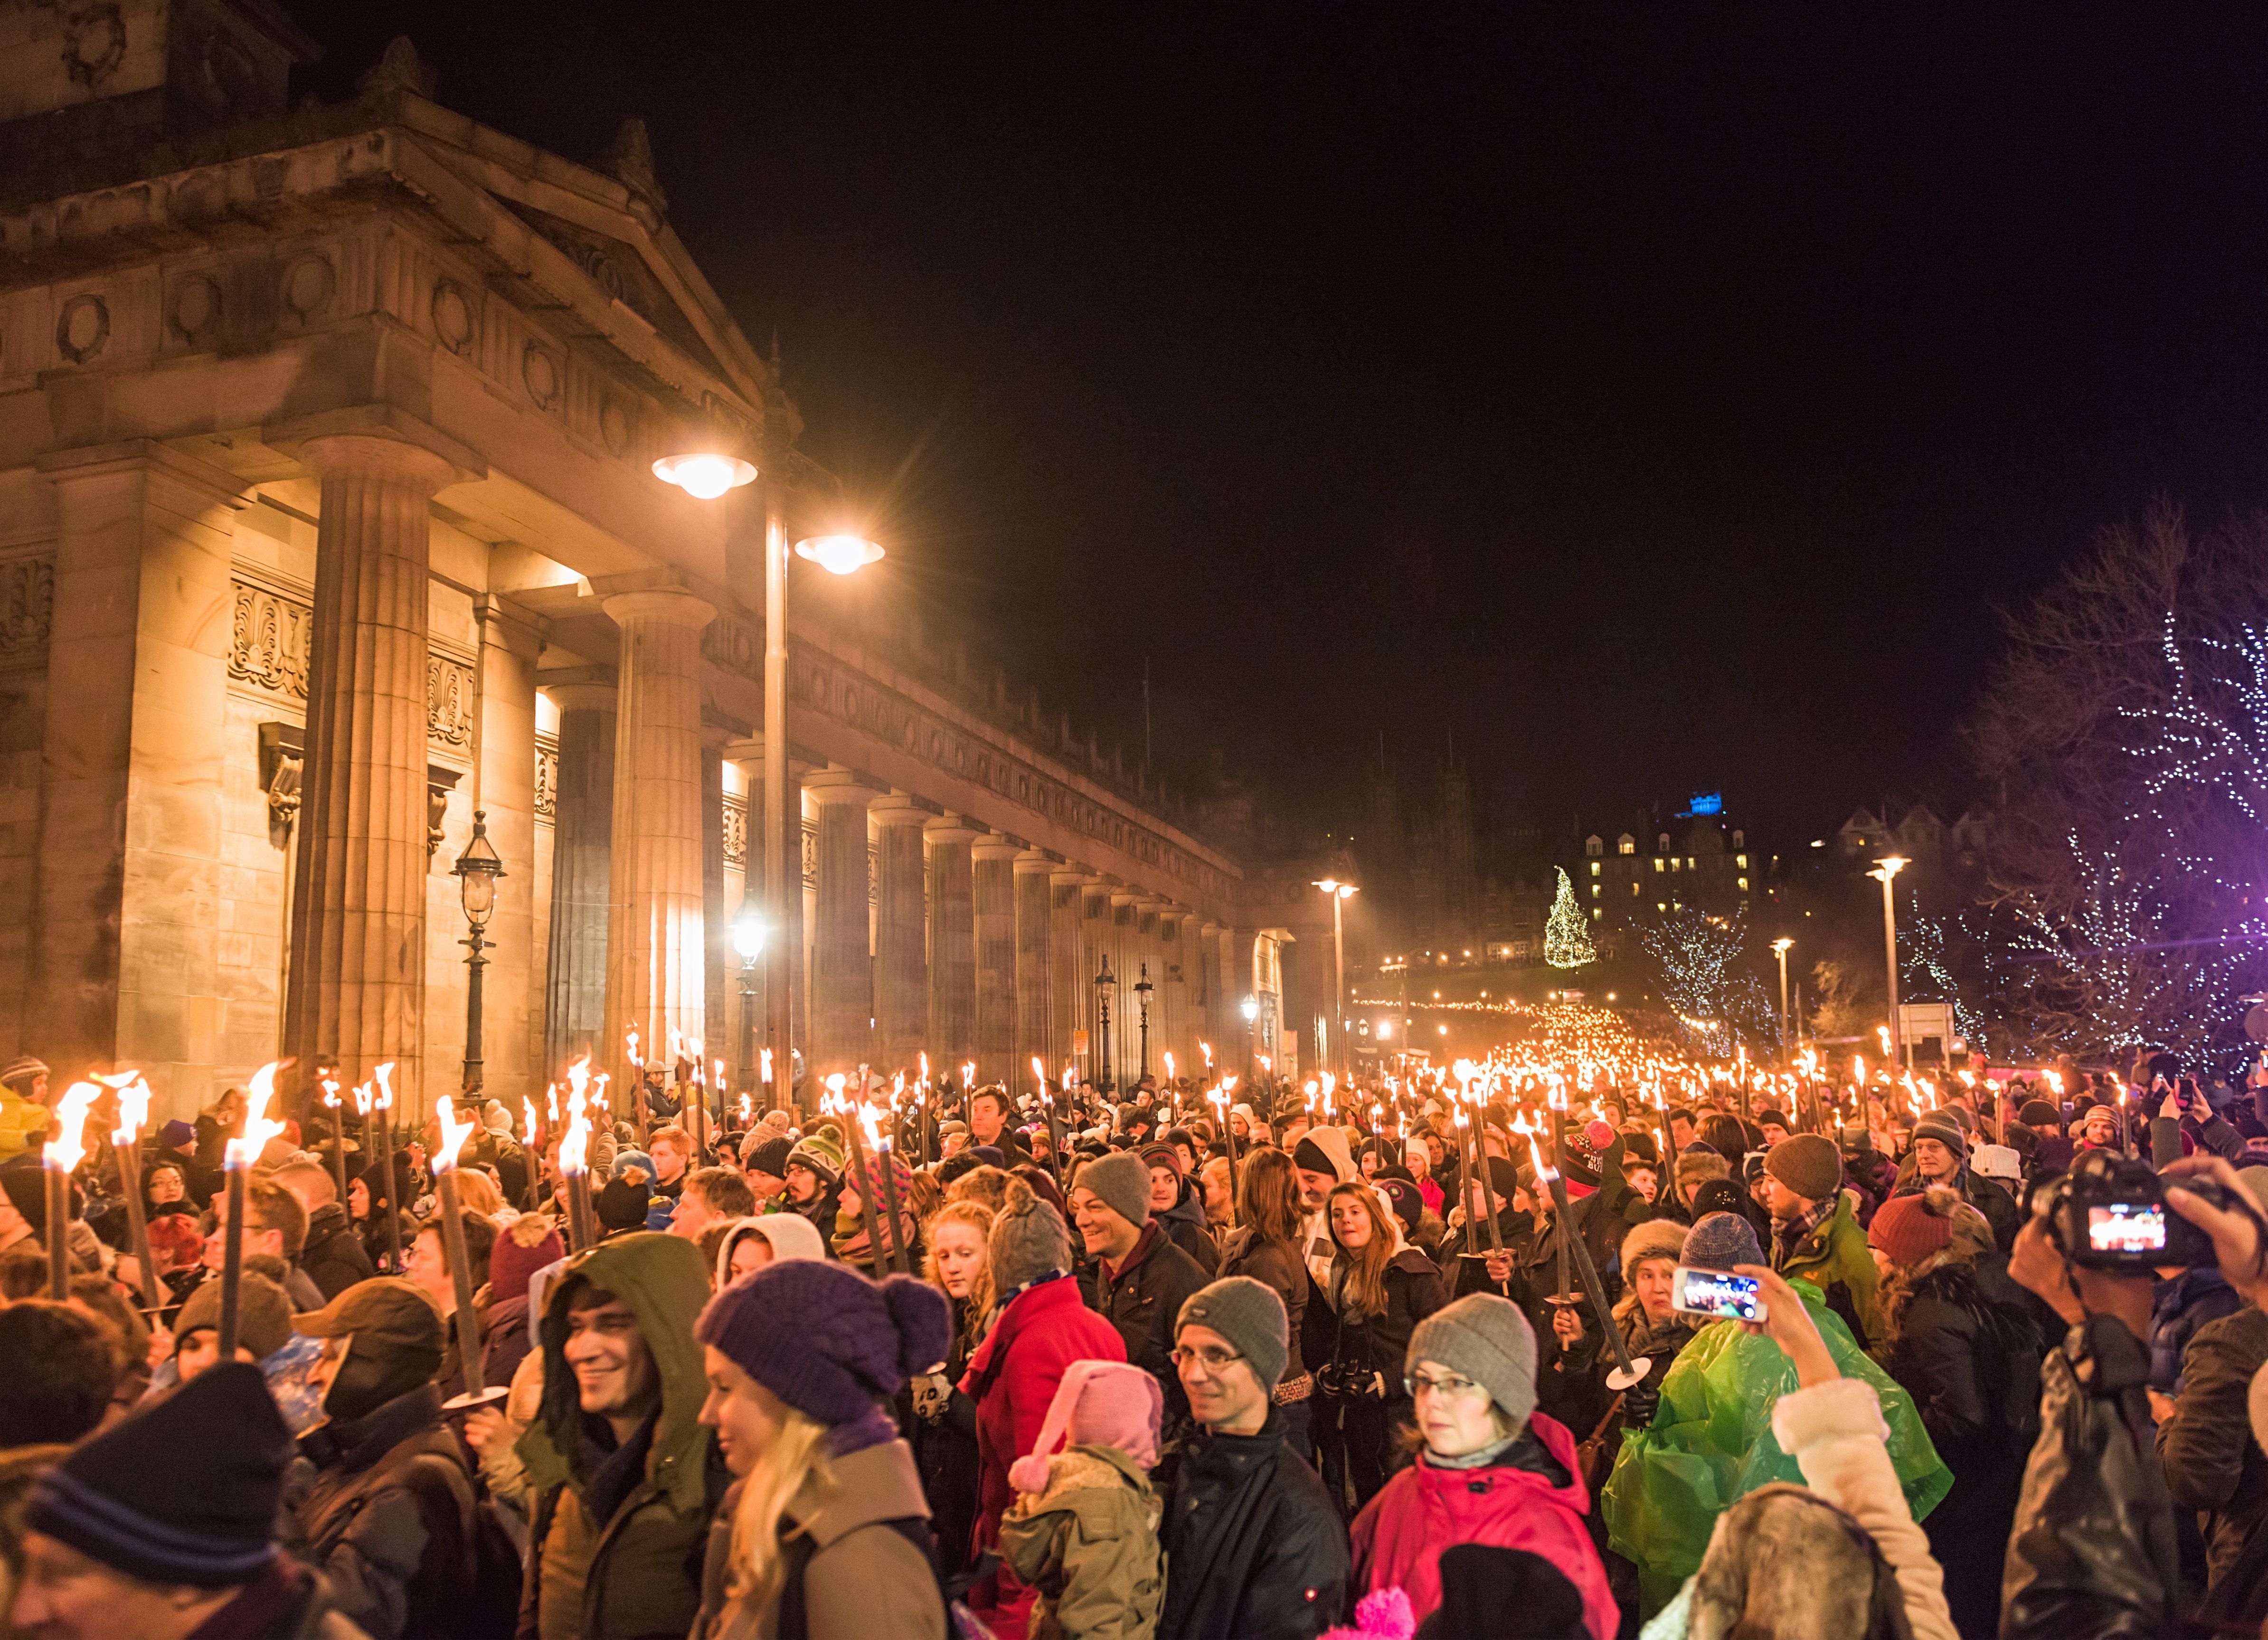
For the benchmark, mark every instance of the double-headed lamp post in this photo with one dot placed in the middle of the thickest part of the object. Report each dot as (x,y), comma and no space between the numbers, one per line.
(1886,873)
(748,942)
(1780,947)
(476,870)
(708,476)
(1338,892)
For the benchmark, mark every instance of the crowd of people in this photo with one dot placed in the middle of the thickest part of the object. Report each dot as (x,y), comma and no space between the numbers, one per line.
(1108,1366)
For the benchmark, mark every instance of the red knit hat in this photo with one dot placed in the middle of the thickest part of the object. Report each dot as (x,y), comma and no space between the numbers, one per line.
(528,1243)
(1907,1232)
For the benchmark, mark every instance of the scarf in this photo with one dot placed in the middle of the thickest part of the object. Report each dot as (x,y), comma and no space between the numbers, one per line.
(1788,1234)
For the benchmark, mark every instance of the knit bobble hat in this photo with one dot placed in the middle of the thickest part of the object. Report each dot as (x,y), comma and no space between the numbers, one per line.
(528,1243)
(822,1151)
(1098,1404)
(1028,1240)
(824,1339)
(1409,1206)
(1719,1195)
(1122,1180)
(184,1490)
(622,1205)
(1719,1241)
(1907,1231)
(1806,1163)
(1938,1126)
(1250,1315)
(1486,1339)
(766,1153)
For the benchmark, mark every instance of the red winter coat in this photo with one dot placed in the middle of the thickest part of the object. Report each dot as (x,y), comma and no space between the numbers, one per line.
(1399,1535)
(1012,1376)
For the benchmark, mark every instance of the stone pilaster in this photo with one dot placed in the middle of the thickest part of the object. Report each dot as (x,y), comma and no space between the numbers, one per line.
(1124,944)
(1064,955)
(131,909)
(995,864)
(951,944)
(505,791)
(842,959)
(655,965)
(1035,1014)
(901,933)
(1093,947)
(1236,968)
(1194,995)
(783,938)
(716,925)
(356,996)
(583,823)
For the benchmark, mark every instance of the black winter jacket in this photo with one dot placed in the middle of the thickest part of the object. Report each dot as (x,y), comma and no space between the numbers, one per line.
(1254,1548)
(333,1256)
(1144,1303)
(1414,1291)
(1185,1223)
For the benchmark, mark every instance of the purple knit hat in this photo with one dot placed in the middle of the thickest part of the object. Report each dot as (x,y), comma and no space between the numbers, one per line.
(826,1340)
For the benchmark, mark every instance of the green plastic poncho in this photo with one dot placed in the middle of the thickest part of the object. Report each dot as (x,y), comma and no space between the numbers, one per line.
(1710,1443)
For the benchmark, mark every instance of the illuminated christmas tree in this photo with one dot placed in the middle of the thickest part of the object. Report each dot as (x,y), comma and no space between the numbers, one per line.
(1566,940)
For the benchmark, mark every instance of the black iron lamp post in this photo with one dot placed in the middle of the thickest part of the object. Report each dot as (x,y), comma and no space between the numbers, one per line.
(1105,984)
(749,940)
(477,870)
(1142,990)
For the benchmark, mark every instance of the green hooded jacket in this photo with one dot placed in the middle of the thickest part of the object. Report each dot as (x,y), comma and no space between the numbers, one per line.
(1710,1443)
(637,1573)
(1833,1258)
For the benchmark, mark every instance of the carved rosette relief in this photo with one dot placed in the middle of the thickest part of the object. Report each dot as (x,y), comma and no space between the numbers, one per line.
(82,328)
(27,608)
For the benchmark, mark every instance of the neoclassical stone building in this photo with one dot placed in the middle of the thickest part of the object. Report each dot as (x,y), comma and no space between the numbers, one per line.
(327,518)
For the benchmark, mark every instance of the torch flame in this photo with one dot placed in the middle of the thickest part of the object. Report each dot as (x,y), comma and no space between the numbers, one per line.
(969,1074)
(575,1144)
(1207,1048)
(68,1148)
(766,1054)
(630,1037)
(1170,1065)
(361,1098)
(330,1093)
(133,1105)
(242,1152)
(453,1134)
(925,1068)
(385,1075)
(877,1140)
(528,1115)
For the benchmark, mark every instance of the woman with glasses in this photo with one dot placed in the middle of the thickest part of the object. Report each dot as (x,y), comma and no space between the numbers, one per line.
(1490,1468)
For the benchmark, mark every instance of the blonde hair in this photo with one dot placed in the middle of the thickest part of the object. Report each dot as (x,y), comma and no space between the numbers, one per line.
(979,1218)
(479,1194)
(756,1572)
(987,1185)
(1364,1288)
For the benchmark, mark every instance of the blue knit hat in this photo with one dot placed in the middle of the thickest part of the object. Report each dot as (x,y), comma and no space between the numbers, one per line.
(825,1340)
(1719,1241)
(182,1492)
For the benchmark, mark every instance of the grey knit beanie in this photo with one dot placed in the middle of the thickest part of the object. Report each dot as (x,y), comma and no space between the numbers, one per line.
(1250,1315)
(1028,1240)
(1938,1126)
(1717,1241)
(1486,1339)
(1122,1178)
(1806,1163)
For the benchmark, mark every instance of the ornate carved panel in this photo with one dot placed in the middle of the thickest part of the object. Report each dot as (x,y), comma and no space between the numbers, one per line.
(269,644)
(451,699)
(811,855)
(546,778)
(736,832)
(28,608)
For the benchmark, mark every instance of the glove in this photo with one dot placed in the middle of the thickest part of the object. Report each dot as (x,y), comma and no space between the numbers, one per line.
(1641,1403)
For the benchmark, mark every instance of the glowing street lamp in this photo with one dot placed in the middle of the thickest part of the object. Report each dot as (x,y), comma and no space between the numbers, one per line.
(1338,892)
(707,476)
(749,941)
(1780,948)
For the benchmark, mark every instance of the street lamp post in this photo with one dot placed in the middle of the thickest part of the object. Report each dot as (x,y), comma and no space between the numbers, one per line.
(1106,983)
(476,870)
(1251,1009)
(1338,892)
(749,941)
(707,476)
(1781,949)
(1142,989)
(1886,873)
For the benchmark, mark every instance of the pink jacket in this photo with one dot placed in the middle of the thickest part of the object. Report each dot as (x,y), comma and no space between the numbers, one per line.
(1016,1369)
(1399,1535)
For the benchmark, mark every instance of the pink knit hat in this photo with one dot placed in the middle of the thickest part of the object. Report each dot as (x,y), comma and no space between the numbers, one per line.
(1099,1403)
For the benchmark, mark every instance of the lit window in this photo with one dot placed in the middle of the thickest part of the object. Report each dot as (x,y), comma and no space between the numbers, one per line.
(1629,844)
(1595,868)
(1740,860)
(1633,891)
(1597,889)
(1597,912)
(1744,885)
(1672,865)
(1657,861)
(1660,907)
(1689,864)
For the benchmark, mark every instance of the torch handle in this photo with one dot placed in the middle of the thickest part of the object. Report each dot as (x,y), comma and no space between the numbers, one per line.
(137,1221)
(895,1237)
(460,1280)
(231,1263)
(384,1118)
(582,1226)
(339,1150)
(58,1185)
(1590,1275)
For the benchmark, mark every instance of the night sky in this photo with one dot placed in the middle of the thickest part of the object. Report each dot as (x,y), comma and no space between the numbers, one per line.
(1655,399)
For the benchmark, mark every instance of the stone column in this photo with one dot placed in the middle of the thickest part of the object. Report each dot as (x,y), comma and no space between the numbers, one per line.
(951,944)
(1035,1013)
(900,935)
(716,920)
(841,961)
(357,991)
(995,861)
(1196,995)
(1236,968)
(1123,939)
(504,792)
(583,822)
(654,958)
(132,907)
(1068,905)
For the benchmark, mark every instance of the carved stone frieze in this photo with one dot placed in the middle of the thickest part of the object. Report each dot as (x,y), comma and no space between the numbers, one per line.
(451,699)
(268,642)
(27,609)
(546,778)
(736,832)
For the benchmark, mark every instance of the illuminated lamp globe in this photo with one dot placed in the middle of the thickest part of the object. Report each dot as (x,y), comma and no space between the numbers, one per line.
(705,474)
(748,936)
(840,555)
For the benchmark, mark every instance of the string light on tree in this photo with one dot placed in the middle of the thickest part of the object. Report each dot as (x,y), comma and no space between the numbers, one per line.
(1566,936)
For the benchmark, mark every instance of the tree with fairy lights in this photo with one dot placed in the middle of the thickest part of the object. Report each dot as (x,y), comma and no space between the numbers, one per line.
(1708,977)
(1566,937)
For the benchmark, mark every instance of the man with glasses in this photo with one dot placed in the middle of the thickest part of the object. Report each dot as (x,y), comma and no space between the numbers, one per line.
(1253,1545)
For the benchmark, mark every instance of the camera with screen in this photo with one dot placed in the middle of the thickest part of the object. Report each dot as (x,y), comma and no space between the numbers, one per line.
(2110,1213)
